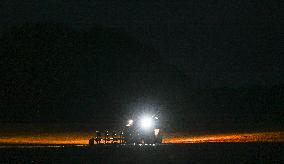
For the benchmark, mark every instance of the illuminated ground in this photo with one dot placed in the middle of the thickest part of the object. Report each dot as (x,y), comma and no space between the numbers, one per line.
(234,137)
(82,138)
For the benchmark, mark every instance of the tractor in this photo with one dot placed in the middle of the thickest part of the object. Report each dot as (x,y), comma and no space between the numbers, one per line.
(143,130)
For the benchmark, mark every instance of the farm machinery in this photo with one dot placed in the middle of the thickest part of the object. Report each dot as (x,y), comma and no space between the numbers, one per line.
(144,129)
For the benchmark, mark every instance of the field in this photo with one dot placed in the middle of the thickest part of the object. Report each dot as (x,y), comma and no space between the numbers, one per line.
(167,153)
(258,147)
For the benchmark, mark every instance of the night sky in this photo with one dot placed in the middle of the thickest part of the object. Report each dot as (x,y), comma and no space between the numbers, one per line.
(185,54)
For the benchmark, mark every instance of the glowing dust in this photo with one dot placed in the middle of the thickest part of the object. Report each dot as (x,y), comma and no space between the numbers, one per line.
(83,138)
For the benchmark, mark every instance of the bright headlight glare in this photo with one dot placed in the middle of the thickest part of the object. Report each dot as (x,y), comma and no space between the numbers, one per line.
(146,122)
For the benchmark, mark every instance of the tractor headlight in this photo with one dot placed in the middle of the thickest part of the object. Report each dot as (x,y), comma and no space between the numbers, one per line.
(146,122)
(130,123)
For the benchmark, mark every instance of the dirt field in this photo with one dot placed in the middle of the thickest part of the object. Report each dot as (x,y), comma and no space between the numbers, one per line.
(168,153)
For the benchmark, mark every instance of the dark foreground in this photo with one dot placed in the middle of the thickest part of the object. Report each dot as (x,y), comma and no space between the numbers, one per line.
(175,153)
